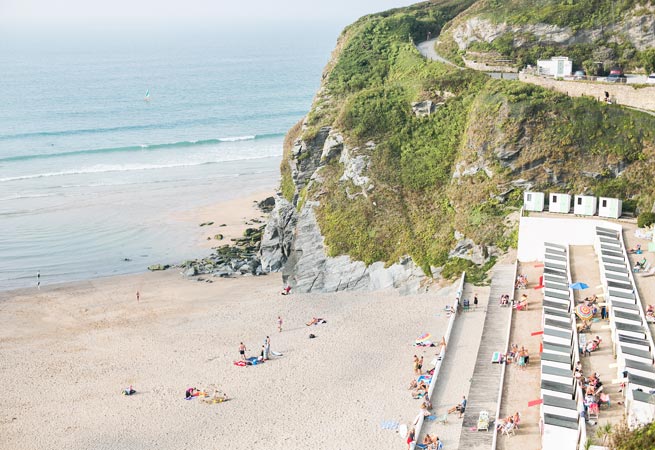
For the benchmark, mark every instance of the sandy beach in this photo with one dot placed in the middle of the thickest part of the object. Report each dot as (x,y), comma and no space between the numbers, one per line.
(67,351)
(229,218)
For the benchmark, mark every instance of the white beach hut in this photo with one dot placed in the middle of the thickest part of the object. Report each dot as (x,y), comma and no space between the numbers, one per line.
(610,207)
(585,205)
(533,201)
(559,203)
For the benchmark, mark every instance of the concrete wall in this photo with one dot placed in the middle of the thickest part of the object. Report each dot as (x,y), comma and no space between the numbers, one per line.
(534,231)
(642,98)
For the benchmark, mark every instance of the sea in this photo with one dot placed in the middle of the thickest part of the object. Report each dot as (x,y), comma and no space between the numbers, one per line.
(106,140)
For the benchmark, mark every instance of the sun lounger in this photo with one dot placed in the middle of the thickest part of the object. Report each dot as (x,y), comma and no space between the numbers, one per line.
(483,421)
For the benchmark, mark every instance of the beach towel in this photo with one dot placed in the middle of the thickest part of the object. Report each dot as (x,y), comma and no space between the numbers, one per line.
(424,337)
(389,425)
(430,418)
(240,363)
(423,378)
(495,358)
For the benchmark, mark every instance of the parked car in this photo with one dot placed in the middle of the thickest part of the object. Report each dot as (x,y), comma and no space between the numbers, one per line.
(616,76)
(651,78)
(579,75)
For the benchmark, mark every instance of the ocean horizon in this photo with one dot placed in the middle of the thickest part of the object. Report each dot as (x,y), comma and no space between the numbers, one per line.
(101,145)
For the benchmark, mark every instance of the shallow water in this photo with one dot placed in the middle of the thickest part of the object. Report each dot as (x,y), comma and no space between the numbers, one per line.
(91,173)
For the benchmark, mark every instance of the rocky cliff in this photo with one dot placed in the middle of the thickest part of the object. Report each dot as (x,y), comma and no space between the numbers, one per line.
(407,170)
(518,32)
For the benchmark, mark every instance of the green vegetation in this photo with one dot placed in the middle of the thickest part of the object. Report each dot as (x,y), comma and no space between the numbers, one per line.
(641,438)
(420,194)
(474,274)
(576,14)
(645,219)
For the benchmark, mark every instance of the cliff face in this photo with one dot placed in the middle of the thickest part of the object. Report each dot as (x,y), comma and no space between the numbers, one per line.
(406,170)
(588,31)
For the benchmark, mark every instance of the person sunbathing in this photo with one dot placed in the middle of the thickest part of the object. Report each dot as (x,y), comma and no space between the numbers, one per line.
(420,391)
(219,397)
(426,402)
(191,392)
(636,250)
(315,321)
(129,391)
(413,385)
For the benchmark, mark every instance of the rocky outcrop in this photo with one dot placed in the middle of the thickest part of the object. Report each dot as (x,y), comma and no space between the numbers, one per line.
(467,249)
(306,157)
(278,235)
(309,269)
(424,108)
(638,29)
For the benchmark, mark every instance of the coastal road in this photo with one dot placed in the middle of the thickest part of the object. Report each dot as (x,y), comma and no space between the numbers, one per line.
(426,49)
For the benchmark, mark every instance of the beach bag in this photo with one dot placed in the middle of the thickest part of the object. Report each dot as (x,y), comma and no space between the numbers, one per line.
(312,336)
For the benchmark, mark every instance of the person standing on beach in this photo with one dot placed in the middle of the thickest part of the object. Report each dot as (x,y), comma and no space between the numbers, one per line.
(38,279)
(279,324)
(138,296)
(417,369)
(242,351)
(475,301)
(267,347)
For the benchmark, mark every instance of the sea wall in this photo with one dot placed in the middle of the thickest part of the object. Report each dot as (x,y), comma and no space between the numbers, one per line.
(622,94)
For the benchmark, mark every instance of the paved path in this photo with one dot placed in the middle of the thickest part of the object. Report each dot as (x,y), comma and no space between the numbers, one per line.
(457,369)
(485,383)
(426,49)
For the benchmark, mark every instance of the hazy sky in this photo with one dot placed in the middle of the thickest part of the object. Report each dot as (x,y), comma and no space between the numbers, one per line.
(20,13)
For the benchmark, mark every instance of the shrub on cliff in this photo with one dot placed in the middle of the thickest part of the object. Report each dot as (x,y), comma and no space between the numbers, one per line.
(645,219)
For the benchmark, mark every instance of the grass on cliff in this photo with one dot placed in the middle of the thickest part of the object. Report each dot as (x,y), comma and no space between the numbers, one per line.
(416,205)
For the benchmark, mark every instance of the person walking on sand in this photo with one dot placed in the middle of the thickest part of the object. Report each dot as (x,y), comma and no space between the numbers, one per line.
(442,344)
(420,365)
(138,296)
(279,324)
(475,301)
(242,351)
(267,347)
(38,279)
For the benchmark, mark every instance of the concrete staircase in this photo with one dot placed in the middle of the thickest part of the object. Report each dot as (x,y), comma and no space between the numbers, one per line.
(485,384)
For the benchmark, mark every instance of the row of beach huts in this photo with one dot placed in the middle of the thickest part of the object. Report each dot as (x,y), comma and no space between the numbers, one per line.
(564,426)
(584,205)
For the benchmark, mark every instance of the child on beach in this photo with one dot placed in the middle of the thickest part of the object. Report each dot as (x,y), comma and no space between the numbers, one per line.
(279,324)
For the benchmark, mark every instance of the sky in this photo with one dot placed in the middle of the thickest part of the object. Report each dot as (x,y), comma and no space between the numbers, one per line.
(106,13)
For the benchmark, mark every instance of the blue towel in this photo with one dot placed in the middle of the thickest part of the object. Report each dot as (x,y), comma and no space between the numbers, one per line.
(430,417)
